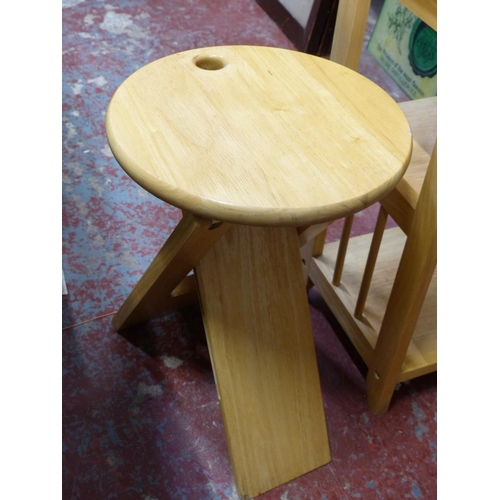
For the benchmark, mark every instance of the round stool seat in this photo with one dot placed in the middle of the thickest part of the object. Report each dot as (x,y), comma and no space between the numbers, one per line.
(258,135)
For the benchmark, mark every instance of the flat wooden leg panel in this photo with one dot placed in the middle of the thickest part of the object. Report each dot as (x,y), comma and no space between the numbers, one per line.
(256,316)
(164,284)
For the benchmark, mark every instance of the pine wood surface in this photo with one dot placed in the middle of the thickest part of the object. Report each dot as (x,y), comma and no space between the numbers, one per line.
(256,317)
(422,116)
(408,294)
(349,33)
(401,202)
(421,357)
(258,135)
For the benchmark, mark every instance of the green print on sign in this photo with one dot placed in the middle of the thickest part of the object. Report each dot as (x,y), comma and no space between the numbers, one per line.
(407,49)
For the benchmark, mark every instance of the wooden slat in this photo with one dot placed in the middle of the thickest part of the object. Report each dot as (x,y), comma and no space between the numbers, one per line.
(378,233)
(421,356)
(344,242)
(257,322)
(341,300)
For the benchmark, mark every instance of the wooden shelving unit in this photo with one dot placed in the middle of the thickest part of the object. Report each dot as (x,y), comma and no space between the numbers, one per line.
(421,356)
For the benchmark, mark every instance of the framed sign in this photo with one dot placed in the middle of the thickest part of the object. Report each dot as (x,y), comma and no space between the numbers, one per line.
(308,24)
(407,49)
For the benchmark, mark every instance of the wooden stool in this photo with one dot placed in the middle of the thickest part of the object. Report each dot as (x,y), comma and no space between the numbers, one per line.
(253,143)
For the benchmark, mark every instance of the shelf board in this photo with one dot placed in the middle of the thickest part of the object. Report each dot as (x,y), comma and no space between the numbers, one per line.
(421,357)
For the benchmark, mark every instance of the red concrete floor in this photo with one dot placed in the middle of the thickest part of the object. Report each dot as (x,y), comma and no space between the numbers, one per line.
(140,412)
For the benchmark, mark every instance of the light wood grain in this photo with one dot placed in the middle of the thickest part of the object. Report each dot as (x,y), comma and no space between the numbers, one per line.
(319,243)
(361,324)
(275,137)
(411,283)
(396,335)
(307,233)
(162,287)
(306,252)
(421,357)
(401,202)
(364,288)
(257,322)
(343,244)
(259,137)
(347,44)
(346,49)
(349,32)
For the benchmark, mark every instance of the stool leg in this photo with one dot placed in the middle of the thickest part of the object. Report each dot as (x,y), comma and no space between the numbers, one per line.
(164,284)
(256,317)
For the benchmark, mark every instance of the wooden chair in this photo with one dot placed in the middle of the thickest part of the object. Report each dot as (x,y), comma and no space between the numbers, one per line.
(382,287)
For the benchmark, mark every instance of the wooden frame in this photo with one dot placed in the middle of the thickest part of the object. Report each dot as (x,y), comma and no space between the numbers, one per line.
(316,36)
(383,293)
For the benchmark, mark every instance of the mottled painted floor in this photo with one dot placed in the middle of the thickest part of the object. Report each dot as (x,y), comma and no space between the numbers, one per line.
(140,412)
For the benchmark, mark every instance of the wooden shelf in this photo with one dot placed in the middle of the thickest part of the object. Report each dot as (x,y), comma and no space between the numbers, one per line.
(421,357)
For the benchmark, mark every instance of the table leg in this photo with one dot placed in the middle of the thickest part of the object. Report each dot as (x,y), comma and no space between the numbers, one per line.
(256,317)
